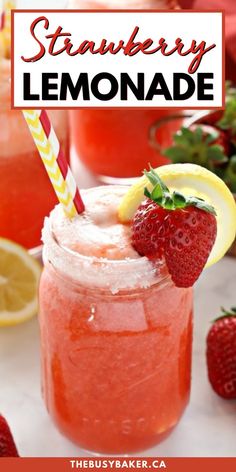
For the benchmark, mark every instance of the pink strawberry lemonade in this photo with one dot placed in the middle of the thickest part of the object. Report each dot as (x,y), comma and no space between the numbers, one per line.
(116,333)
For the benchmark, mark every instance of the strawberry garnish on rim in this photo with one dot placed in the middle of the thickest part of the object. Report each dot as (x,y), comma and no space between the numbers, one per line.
(221,354)
(181,229)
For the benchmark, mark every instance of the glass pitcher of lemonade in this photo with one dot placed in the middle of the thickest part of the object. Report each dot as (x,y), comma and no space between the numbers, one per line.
(26,195)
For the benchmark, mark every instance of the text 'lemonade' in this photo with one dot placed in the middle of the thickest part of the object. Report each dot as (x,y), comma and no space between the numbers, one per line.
(116,332)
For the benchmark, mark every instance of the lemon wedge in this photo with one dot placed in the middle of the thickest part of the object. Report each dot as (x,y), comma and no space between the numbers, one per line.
(194,180)
(19,277)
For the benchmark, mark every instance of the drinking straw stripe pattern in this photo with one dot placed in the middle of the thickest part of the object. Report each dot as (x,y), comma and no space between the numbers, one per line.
(62,163)
(55,163)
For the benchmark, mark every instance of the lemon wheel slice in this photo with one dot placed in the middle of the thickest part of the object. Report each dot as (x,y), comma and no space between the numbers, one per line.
(194,180)
(19,277)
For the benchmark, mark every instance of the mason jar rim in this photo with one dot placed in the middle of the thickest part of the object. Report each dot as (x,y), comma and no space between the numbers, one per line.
(91,271)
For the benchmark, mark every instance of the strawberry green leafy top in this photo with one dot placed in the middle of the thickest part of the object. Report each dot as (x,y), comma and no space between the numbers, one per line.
(172,200)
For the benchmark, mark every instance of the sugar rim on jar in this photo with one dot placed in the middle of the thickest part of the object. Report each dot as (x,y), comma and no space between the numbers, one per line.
(95,272)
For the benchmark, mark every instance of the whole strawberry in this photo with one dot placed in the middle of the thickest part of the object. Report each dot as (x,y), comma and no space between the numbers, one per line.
(221,355)
(210,141)
(227,122)
(212,136)
(190,235)
(201,144)
(7,445)
(180,229)
(148,233)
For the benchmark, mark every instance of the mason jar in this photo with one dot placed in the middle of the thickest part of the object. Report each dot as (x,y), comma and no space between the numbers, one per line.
(116,339)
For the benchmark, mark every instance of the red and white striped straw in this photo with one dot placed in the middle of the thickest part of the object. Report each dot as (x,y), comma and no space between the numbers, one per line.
(44,136)
(54,160)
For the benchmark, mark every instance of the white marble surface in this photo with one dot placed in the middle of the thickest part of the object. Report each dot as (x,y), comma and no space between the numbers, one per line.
(206,429)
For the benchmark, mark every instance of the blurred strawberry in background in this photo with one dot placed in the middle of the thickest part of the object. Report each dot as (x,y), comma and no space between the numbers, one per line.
(229,6)
(7,444)
(221,354)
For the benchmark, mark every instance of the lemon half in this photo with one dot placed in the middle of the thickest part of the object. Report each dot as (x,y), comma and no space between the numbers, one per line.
(19,277)
(194,180)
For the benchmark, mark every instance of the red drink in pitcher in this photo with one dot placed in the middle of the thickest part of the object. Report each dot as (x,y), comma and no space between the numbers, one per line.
(116,144)
(116,334)
(26,195)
